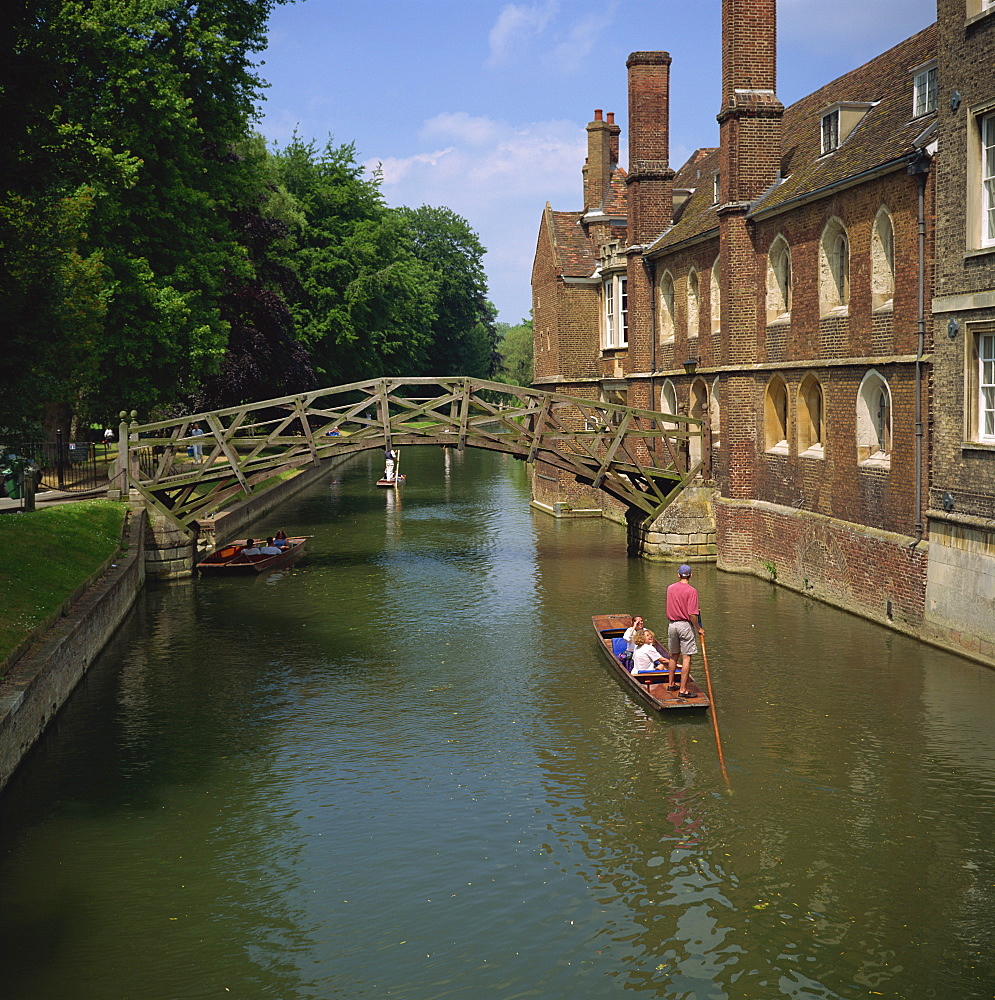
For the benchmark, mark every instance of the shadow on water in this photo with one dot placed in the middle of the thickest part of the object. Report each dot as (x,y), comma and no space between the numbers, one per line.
(402,770)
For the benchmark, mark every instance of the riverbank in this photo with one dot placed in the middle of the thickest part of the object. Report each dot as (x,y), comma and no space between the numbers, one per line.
(49,662)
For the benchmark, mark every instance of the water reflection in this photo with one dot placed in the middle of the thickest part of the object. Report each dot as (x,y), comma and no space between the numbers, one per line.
(401,769)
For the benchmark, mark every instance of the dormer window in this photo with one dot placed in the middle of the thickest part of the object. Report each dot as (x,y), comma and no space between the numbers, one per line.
(924,90)
(830,131)
(715,188)
(839,120)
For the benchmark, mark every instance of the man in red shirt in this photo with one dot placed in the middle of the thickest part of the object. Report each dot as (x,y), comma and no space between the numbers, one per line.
(685,616)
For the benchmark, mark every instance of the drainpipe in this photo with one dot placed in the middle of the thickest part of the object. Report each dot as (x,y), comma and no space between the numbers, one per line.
(919,168)
(650,267)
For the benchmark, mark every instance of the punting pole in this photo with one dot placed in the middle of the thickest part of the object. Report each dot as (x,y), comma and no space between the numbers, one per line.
(714,714)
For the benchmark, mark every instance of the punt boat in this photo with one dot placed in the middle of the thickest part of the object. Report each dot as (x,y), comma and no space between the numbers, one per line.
(651,689)
(229,558)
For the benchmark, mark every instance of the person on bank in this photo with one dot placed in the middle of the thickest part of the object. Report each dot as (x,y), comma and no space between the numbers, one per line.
(684,615)
(647,659)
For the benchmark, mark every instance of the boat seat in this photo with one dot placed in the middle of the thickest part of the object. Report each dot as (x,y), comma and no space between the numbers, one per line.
(619,645)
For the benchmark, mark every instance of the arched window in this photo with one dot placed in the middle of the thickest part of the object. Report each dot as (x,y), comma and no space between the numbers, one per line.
(874,421)
(665,310)
(834,269)
(698,410)
(882,261)
(668,398)
(715,296)
(694,305)
(779,281)
(776,417)
(713,414)
(810,414)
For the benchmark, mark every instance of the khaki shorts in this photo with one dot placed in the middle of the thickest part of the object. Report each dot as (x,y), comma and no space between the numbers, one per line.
(680,639)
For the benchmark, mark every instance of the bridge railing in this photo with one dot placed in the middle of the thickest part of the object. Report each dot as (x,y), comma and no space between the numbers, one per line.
(195,464)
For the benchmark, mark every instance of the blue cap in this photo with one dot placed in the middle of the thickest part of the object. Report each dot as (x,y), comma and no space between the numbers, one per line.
(684,570)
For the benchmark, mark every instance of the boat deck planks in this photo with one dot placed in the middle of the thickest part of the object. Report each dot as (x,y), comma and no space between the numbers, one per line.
(653,693)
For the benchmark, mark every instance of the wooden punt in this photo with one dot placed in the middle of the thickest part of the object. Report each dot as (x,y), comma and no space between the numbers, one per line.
(651,689)
(229,558)
(391,482)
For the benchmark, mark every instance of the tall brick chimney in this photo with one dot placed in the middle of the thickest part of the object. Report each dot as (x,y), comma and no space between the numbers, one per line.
(602,158)
(750,119)
(650,180)
(749,158)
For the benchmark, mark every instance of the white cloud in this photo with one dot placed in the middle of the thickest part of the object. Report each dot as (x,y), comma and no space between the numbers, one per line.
(573,53)
(516,25)
(498,177)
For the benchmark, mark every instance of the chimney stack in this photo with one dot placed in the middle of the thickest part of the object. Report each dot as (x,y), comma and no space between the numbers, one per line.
(602,158)
(750,119)
(650,180)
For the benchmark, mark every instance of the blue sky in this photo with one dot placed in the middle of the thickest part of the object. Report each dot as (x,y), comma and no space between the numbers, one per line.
(481,106)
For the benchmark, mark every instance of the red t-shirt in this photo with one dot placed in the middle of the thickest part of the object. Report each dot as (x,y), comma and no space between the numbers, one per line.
(682,601)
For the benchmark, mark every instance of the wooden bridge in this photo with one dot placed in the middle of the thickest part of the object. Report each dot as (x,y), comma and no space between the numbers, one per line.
(640,457)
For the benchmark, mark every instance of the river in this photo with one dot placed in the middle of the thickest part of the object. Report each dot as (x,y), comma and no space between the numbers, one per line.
(401,770)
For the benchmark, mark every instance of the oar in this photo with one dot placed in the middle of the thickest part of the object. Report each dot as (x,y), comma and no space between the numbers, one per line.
(714,712)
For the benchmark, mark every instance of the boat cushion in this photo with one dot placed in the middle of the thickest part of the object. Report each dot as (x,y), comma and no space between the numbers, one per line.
(619,645)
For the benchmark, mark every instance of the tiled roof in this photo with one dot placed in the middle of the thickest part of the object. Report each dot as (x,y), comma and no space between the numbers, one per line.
(614,203)
(885,133)
(697,214)
(576,256)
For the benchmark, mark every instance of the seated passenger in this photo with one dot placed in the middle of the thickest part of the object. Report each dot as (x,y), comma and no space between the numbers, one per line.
(647,658)
(269,549)
(250,548)
(637,626)
(280,540)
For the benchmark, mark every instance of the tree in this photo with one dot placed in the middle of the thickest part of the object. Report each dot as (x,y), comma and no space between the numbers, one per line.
(516,352)
(463,331)
(124,115)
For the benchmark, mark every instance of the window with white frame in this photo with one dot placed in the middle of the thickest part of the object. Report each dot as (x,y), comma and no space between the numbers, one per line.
(830,131)
(924,91)
(988,180)
(616,302)
(715,189)
(986,387)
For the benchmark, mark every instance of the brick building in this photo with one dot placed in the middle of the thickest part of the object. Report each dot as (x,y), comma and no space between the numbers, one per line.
(960,605)
(790,270)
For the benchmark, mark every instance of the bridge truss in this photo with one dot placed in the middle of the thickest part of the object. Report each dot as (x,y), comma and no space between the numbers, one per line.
(640,457)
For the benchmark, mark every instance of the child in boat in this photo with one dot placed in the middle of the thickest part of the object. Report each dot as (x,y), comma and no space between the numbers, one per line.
(647,658)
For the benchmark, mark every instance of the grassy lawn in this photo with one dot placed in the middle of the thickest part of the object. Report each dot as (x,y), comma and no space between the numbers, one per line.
(45,555)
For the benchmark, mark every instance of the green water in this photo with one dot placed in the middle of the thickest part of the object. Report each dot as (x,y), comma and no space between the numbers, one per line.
(401,770)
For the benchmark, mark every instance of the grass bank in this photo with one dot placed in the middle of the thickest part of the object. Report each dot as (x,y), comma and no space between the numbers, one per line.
(45,555)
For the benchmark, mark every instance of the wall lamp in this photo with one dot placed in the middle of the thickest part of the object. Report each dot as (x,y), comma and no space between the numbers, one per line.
(690,366)
(952,328)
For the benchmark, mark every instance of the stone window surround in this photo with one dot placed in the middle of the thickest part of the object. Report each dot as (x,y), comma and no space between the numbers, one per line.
(810,418)
(779,281)
(665,300)
(980,376)
(978,114)
(834,269)
(776,417)
(874,421)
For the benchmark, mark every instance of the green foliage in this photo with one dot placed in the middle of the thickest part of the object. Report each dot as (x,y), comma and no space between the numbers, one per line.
(515,348)
(45,555)
(154,255)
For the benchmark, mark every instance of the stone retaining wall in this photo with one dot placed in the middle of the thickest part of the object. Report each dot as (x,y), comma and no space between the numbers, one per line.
(37,683)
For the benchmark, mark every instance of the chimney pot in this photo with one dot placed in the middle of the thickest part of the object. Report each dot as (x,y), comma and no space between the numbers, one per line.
(597,114)
(611,117)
